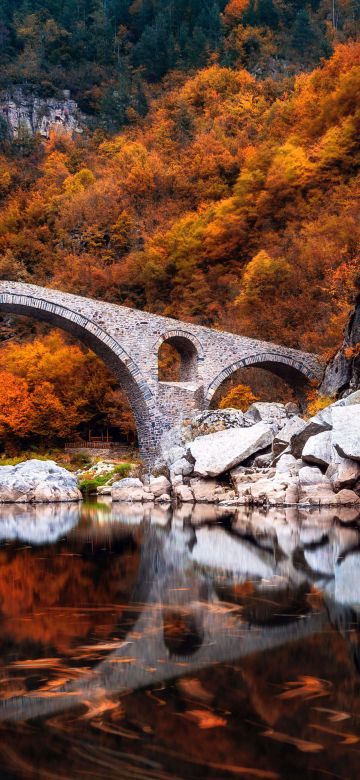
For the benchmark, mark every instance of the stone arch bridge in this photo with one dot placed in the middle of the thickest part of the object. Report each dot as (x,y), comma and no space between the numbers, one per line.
(128,341)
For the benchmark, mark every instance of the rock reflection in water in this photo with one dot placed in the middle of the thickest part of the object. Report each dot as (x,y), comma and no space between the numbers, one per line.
(206,619)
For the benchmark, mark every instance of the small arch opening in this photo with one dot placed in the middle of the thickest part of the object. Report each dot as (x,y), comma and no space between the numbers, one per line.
(177,360)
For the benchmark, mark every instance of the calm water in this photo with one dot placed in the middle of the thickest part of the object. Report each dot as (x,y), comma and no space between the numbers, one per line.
(152,645)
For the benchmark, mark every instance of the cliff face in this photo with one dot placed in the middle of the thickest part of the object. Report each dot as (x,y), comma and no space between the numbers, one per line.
(24,111)
(343,371)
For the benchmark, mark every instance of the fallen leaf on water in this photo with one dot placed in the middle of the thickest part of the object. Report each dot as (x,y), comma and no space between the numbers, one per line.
(334,715)
(305,687)
(347,739)
(192,687)
(205,719)
(98,708)
(301,744)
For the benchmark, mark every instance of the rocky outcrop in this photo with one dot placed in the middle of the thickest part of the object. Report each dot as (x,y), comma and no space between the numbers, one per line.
(313,462)
(25,112)
(37,481)
(219,452)
(343,371)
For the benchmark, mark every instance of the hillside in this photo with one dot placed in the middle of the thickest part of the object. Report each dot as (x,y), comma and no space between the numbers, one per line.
(230,199)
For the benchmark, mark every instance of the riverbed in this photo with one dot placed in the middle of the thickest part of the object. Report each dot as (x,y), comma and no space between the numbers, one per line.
(157,644)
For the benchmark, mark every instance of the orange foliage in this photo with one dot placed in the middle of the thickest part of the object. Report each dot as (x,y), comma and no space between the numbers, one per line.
(239,397)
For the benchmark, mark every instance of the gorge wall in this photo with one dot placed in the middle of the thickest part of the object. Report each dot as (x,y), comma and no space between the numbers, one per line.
(21,110)
(343,371)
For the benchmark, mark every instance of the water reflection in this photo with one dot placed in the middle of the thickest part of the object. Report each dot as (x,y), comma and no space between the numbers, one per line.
(163,627)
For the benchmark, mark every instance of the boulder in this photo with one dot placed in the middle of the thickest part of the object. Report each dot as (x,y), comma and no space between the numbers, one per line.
(163,499)
(219,452)
(292,409)
(271,413)
(312,476)
(283,438)
(159,486)
(264,460)
(214,420)
(182,467)
(184,493)
(130,489)
(343,472)
(209,491)
(312,427)
(346,430)
(174,454)
(318,449)
(287,464)
(37,481)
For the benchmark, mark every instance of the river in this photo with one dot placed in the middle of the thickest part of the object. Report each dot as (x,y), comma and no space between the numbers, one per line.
(147,643)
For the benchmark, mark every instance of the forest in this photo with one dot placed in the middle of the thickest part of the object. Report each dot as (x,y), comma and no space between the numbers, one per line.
(217,181)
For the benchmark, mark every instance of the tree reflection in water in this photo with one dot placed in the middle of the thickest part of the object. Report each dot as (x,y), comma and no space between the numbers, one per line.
(174,644)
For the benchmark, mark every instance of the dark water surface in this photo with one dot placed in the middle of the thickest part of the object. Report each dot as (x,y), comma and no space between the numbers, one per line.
(155,645)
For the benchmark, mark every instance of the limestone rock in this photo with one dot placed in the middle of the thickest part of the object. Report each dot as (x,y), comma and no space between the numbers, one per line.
(343,472)
(219,452)
(163,499)
(312,476)
(318,449)
(312,427)
(270,413)
(264,460)
(209,491)
(130,489)
(346,431)
(214,420)
(37,481)
(292,409)
(183,467)
(159,485)
(287,464)
(184,493)
(283,438)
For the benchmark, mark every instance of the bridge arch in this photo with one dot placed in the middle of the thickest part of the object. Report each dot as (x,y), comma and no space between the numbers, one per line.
(296,373)
(189,349)
(106,347)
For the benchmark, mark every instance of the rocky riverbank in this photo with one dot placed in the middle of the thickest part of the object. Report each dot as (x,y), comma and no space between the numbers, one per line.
(268,456)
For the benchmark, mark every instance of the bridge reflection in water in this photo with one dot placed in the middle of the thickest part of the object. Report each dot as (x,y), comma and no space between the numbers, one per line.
(212,586)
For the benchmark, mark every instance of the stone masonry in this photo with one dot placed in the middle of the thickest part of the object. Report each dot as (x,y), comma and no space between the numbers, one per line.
(129,341)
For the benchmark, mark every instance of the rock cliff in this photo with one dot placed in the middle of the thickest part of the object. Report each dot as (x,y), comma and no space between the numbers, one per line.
(343,371)
(24,111)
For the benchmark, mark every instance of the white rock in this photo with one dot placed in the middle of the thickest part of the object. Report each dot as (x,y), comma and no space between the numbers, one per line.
(287,464)
(130,489)
(174,454)
(213,420)
(318,449)
(128,482)
(182,467)
(159,485)
(282,439)
(312,476)
(270,413)
(183,493)
(346,431)
(219,452)
(37,481)
(343,472)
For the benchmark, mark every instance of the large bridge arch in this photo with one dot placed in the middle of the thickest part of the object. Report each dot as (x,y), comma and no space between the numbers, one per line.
(107,348)
(292,370)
